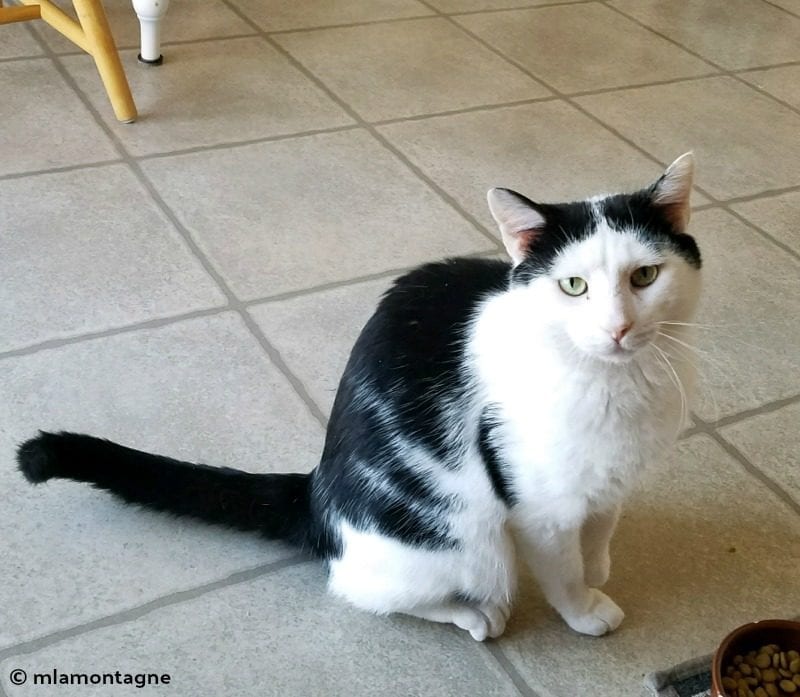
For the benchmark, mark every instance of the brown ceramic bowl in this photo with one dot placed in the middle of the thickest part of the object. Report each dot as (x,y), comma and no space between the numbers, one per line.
(751,637)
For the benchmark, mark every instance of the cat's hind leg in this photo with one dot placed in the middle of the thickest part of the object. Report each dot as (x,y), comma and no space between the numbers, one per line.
(481,621)
(385,576)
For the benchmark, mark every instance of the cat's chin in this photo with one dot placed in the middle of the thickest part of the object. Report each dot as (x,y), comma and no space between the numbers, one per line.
(617,354)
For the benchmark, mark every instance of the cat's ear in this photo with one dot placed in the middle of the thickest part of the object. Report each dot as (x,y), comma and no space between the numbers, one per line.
(519,220)
(672,191)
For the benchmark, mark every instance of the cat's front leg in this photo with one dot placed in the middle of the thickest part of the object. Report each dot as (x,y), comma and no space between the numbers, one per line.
(554,555)
(596,534)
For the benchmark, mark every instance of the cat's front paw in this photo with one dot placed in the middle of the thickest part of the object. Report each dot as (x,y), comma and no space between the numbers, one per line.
(597,571)
(602,617)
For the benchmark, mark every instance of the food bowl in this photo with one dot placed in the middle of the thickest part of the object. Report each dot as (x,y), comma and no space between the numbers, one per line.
(751,637)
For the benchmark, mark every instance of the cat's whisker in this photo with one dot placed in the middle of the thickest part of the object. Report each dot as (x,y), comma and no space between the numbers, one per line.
(694,349)
(702,373)
(679,385)
(703,361)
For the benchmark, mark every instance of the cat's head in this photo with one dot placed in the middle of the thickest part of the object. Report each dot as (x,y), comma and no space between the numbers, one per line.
(605,272)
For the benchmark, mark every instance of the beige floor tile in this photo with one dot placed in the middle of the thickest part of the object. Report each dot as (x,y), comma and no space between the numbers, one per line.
(186,20)
(279,15)
(751,328)
(548,151)
(17,41)
(256,93)
(583,47)
(45,125)
(303,212)
(332,319)
(783,83)
(731,33)
(200,390)
(722,120)
(776,215)
(407,68)
(693,558)
(772,443)
(290,638)
(93,253)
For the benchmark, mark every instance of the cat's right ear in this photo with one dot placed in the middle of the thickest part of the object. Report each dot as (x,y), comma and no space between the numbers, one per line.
(519,221)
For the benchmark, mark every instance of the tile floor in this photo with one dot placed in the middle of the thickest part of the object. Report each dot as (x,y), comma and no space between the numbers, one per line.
(191,284)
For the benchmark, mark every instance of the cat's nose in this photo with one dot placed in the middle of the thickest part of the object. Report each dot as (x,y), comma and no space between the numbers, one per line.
(618,333)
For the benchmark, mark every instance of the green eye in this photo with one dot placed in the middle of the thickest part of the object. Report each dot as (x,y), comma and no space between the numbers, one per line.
(644,276)
(574,285)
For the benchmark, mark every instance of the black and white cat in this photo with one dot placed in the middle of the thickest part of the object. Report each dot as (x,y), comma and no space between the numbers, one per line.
(488,412)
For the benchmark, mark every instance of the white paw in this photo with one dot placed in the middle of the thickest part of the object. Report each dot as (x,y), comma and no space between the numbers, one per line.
(488,620)
(602,617)
(474,621)
(498,615)
(597,571)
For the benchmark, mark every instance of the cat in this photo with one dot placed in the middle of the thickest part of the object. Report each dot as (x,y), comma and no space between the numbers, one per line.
(488,411)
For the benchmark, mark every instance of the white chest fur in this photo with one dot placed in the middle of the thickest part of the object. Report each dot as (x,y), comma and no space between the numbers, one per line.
(576,431)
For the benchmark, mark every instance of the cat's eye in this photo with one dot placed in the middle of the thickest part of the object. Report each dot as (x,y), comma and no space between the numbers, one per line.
(574,285)
(644,276)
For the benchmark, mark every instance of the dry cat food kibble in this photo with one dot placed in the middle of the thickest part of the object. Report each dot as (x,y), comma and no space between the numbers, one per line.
(768,672)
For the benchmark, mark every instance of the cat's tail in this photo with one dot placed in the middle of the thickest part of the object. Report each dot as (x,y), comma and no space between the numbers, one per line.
(277,505)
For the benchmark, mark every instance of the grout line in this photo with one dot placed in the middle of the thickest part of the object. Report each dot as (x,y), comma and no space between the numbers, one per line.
(747,413)
(244,143)
(780,7)
(340,25)
(465,110)
(233,302)
(636,86)
(785,247)
(59,170)
(768,66)
(495,10)
(755,472)
(496,651)
(350,111)
(16,59)
(277,359)
(139,611)
(763,194)
(136,326)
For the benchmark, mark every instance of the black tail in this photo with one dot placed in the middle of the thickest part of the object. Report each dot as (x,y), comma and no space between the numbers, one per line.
(276,505)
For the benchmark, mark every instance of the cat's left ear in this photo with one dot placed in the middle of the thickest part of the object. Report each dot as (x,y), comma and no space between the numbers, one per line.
(672,191)
(519,221)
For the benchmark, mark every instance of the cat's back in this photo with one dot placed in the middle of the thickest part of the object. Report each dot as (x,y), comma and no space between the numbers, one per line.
(420,322)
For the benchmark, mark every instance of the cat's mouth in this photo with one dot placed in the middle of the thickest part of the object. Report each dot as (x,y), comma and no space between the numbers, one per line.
(624,352)
(619,354)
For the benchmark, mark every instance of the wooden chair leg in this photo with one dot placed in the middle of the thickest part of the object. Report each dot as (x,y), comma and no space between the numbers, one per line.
(98,34)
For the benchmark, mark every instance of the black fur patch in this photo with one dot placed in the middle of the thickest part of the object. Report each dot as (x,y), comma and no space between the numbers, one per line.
(410,358)
(565,223)
(492,457)
(637,212)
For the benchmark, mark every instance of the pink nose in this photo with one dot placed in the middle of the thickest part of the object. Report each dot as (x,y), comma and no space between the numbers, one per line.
(620,332)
